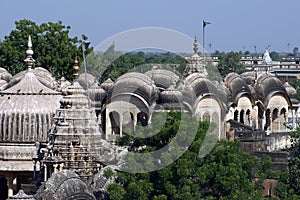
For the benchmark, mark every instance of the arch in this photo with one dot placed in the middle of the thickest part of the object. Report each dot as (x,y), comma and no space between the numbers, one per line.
(142,118)
(275,119)
(236,115)
(115,122)
(216,120)
(206,116)
(268,120)
(242,116)
(3,188)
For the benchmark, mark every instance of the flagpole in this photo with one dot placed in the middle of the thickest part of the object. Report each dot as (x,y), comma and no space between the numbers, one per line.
(203,28)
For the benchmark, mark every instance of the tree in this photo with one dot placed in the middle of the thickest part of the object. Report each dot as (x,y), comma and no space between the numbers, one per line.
(230,62)
(53,48)
(225,173)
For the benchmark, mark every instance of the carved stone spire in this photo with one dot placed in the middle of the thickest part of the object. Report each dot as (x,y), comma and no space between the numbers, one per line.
(195,45)
(29,60)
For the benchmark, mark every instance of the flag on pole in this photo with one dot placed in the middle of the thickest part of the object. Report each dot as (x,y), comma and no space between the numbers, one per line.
(205,23)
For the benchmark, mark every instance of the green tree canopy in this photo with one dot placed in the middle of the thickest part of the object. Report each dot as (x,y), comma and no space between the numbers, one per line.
(230,62)
(225,173)
(53,47)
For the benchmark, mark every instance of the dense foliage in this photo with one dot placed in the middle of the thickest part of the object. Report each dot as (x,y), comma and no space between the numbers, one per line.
(225,173)
(230,62)
(53,47)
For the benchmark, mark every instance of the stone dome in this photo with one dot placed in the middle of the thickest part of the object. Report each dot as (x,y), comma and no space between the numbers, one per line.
(171,98)
(162,78)
(86,78)
(201,85)
(96,93)
(267,85)
(249,77)
(135,83)
(107,85)
(42,75)
(26,110)
(292,92)
(65,185)
(237,86)
(5,77)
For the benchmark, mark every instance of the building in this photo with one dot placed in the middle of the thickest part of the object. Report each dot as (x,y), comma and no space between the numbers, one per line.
(65,136)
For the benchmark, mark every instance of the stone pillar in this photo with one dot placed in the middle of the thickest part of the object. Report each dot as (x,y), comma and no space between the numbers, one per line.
(45,173)
(294,119)
(121,125)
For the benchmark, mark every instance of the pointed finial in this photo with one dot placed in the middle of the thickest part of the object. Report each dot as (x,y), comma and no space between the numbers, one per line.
(195,45)
(75,68)
(29,60)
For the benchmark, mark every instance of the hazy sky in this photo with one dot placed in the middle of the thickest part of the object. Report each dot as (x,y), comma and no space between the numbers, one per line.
(235,24)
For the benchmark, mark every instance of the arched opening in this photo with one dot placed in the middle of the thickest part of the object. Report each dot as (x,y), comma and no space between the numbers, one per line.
(115,123)
(206,117)
(275,119)
(142,119)
(216,121)
(282,119)
(260,116)
(128,122)
(242,116)
(3,188)
(236,115)
(268,120)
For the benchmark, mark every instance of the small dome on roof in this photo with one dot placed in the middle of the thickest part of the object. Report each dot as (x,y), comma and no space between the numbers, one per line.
(237,86)
(86,78)
(65,185)
(42,75)
(249,77)
(135,83)
(107,85)
(162,78)
(267,84)
(170,96)
(96,93)
(292,92)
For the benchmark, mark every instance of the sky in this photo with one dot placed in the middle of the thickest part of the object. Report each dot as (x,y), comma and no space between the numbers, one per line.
(236,25)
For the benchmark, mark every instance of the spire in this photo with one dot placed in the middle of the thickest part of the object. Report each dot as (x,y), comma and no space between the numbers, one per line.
(75,68)
(195,45)
(29,60)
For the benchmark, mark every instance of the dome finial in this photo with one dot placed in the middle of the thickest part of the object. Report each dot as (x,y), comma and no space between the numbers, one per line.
(75,68)
(195,45)
(29,60)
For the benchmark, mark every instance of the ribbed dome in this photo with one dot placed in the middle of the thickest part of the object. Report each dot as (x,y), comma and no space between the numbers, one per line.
(162,78)
(292,92)
(42,75)
(85,79)
(65,185)
(135,83)
(96,93)
(107,85)
(236,85)
(267,84)
(5,77)
(170,95)
(201,85)
(75,97)
(249,77)
(26,110)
